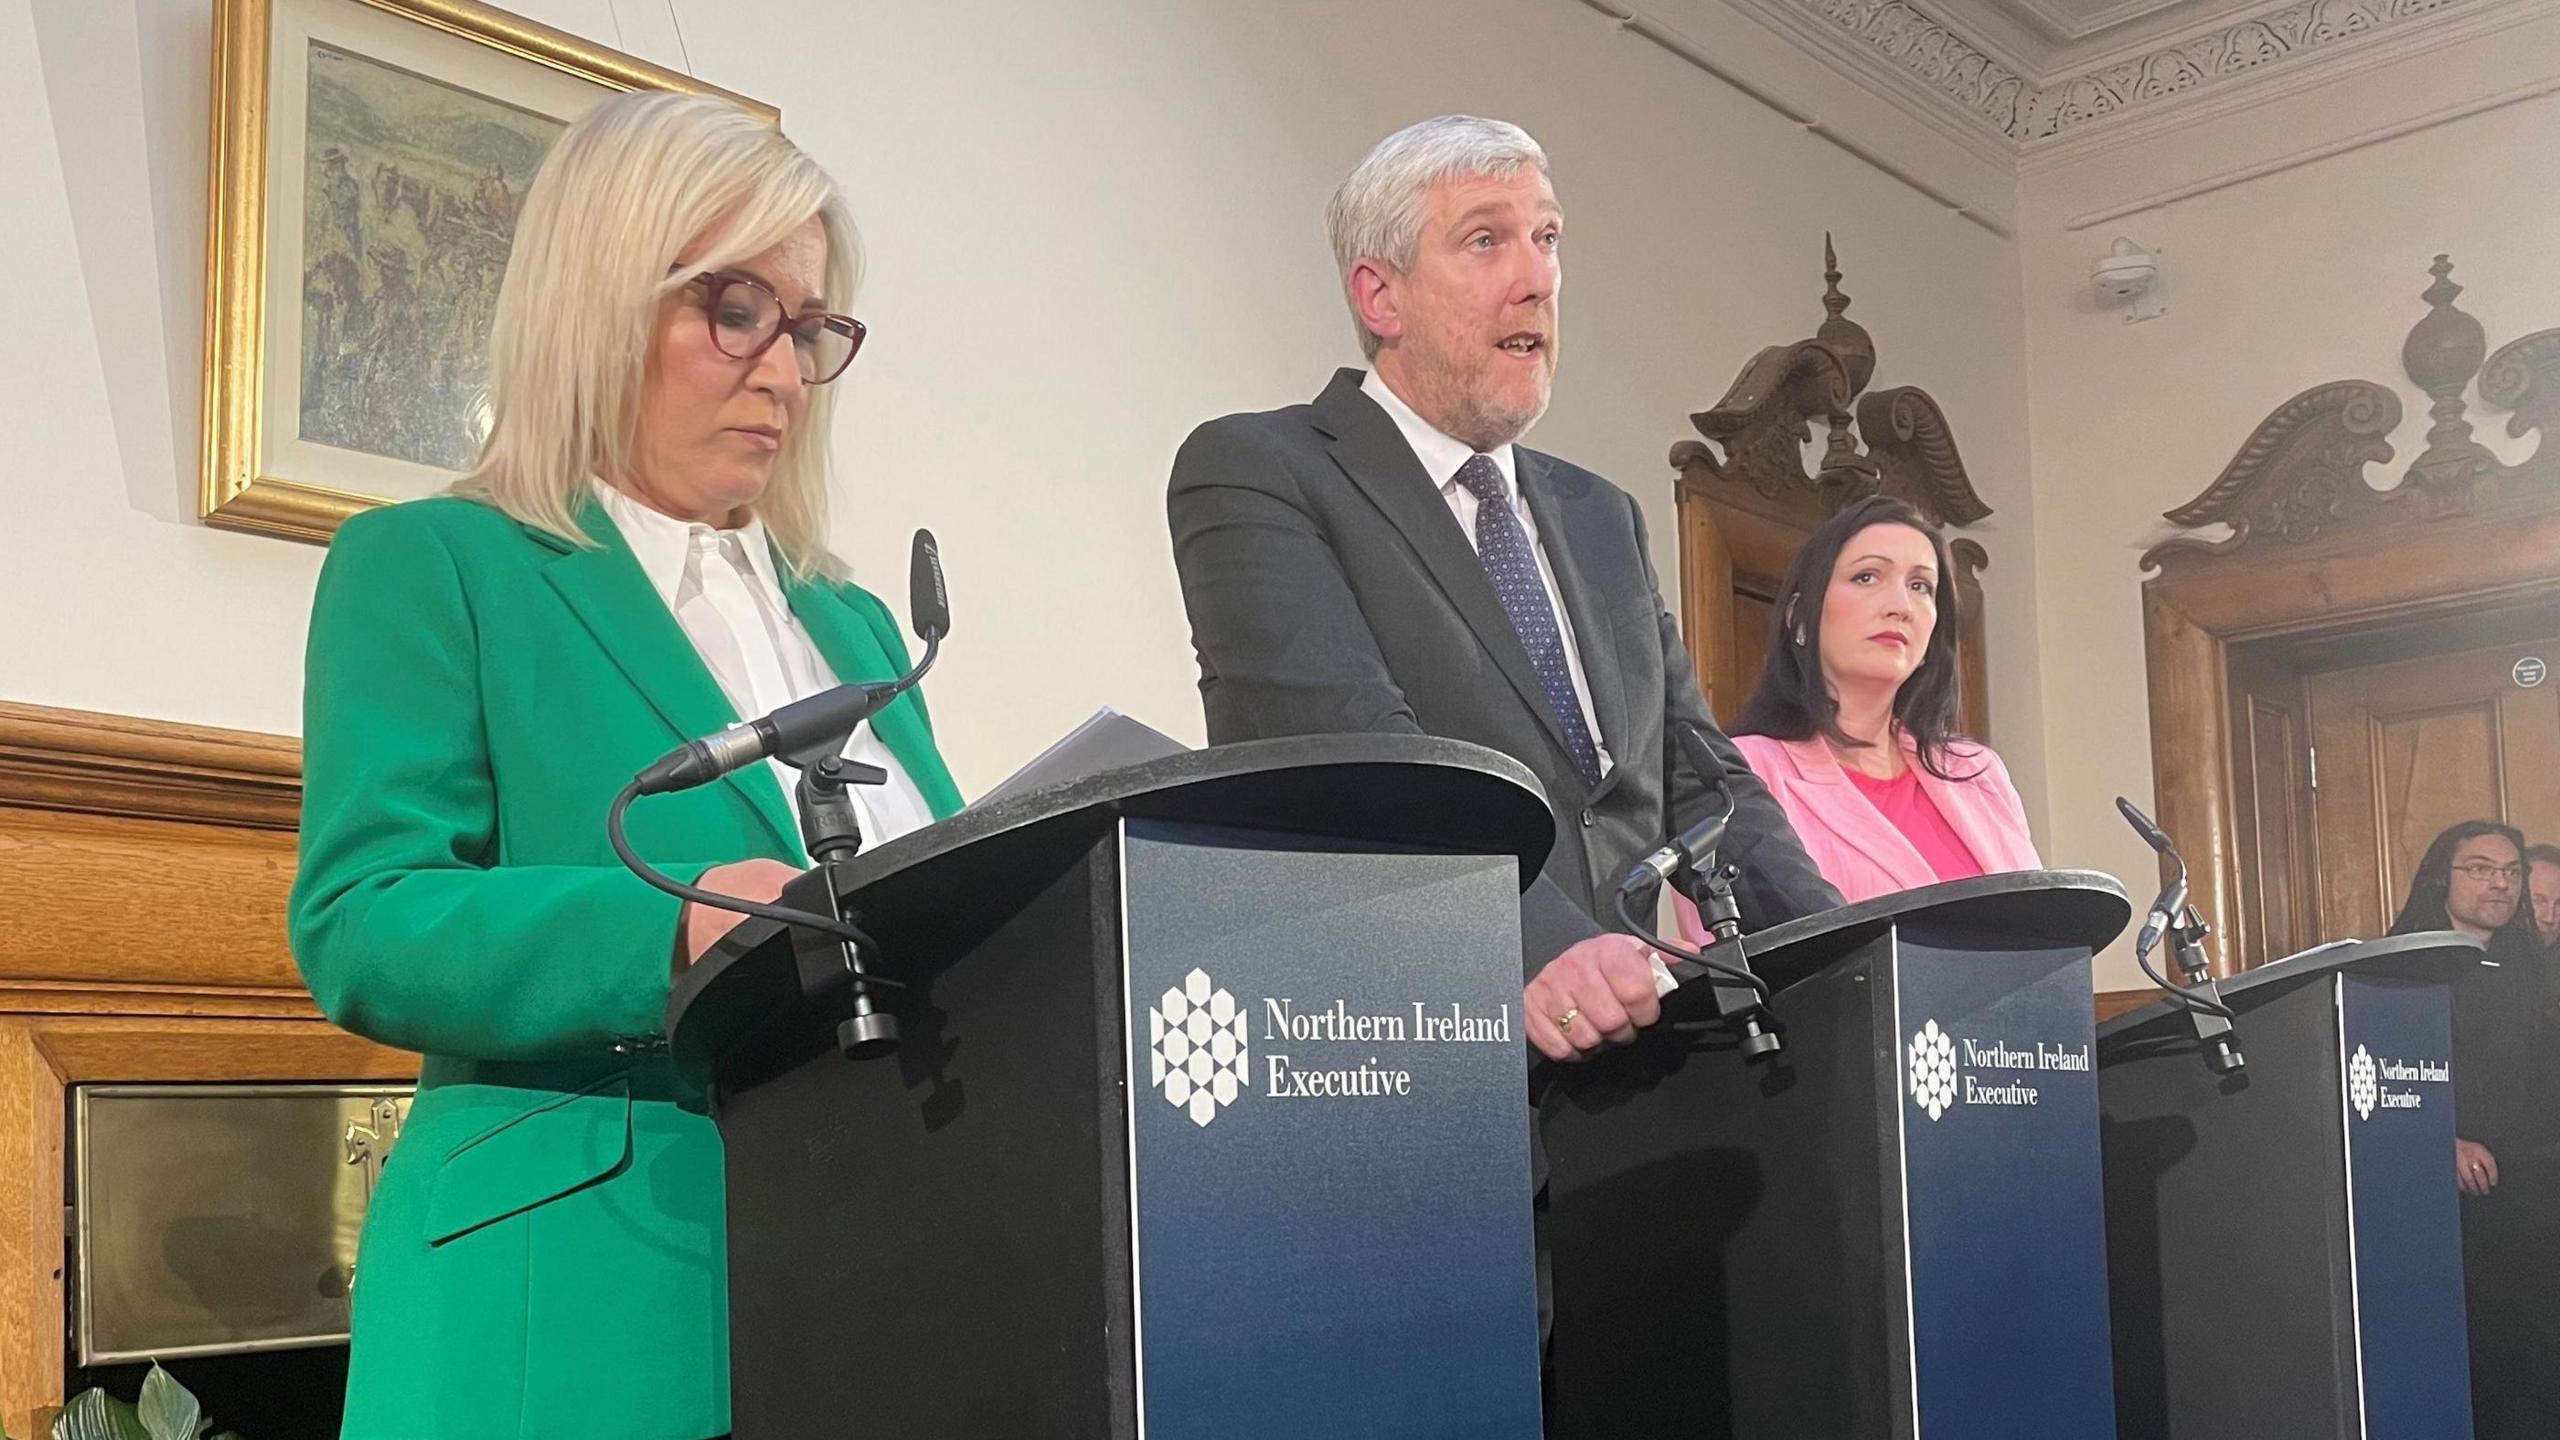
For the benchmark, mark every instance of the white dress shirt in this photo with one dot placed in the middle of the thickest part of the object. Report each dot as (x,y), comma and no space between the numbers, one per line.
(726,593)
(1441,455)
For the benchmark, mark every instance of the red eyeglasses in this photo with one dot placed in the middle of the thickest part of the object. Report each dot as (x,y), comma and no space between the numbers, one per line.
(746,317)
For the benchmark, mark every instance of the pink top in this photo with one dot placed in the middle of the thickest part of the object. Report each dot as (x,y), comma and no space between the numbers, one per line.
(1865,854)
(1905,806)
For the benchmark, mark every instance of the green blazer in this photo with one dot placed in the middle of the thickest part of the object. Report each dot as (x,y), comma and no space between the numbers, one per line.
(545,1255)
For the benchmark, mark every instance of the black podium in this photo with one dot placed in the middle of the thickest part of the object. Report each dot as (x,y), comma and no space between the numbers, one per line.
(2284,1244)
(1893,1230)
(1206,1119)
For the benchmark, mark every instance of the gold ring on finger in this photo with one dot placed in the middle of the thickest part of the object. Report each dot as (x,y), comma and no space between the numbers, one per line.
(1565,1020)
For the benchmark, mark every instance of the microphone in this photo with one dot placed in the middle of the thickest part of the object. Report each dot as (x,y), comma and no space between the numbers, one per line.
(820,721)
(1696,846)
(2173,896)
(2171,915)
(928,603)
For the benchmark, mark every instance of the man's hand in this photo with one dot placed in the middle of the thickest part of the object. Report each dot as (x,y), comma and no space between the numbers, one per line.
(2475,1170)
(1595,995)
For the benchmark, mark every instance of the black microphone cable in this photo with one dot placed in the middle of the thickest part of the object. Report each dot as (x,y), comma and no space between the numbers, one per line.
(2195,998)
(1739,975)
(844,930)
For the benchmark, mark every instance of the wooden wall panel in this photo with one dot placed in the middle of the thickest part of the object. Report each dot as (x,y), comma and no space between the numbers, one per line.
(150,902)
(143,874)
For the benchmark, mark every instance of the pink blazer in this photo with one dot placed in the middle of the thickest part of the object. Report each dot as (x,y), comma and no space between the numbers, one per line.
(1857,849)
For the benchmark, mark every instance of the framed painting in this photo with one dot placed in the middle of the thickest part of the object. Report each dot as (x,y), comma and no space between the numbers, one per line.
(368,160)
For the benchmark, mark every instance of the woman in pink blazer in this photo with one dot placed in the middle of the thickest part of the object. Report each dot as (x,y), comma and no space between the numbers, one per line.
(1851,726)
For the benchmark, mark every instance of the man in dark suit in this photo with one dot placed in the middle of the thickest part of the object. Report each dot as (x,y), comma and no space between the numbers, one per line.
(1387,558)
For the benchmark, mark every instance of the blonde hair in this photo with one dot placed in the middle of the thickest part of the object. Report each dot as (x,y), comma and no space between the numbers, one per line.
(624,193)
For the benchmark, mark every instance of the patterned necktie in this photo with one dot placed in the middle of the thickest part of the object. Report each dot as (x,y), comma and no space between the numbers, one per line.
(1513,568)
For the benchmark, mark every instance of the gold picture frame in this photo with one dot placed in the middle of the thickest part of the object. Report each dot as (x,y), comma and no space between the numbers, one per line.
(293,449)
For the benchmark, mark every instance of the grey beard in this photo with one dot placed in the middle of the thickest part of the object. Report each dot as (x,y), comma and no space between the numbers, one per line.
(1486,429)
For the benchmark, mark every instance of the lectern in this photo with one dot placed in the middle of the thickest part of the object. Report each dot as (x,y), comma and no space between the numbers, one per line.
(1206,1118)
(2284,1244)
(1894,1229)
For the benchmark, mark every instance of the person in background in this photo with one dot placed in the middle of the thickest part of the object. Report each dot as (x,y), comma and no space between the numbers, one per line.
(1852,724)
(638,558)
(2472,880)
(2542,897)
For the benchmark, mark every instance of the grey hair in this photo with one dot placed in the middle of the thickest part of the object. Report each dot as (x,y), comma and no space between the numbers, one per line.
(1377,213)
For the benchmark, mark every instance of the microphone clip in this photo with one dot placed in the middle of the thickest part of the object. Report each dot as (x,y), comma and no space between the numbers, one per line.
(2212,1021)
(831,831)
(1730,994)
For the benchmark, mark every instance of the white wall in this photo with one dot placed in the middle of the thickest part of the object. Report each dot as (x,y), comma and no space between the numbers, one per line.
(2276,284)
(1090,227)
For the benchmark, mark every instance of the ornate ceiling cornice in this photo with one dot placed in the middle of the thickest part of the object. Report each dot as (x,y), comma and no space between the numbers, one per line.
(1999,98)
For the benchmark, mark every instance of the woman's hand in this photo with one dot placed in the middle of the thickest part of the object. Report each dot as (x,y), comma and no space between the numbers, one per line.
(701,926)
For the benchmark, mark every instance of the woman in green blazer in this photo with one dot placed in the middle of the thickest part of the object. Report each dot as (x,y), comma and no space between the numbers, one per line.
(637,559)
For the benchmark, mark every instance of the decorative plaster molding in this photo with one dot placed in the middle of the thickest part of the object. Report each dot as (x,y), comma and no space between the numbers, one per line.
(2030,110)
(1990,92)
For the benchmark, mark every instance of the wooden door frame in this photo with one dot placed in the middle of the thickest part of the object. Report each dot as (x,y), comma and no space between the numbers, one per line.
(2315,546)
(2202,602)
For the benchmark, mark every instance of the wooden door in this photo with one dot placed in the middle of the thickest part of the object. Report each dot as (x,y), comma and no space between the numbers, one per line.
(2279,911)
(1730,564)
(2404,747)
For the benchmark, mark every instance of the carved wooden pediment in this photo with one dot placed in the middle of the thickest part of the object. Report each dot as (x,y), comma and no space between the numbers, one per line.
(1915,454)
(2301,469)
(1766,418)
(2301,473)
(2524,376)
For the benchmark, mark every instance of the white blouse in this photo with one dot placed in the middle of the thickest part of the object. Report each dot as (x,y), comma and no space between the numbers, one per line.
(725,591)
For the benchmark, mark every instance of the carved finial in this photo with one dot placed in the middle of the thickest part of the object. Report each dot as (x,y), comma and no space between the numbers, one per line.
(2441,293)
(1845,472)
(1839,334)
(2442,353)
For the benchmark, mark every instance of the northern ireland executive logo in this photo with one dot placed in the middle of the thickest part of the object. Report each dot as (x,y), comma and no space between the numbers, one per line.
(1933,1070)
(2380,1082)
(1195,1048)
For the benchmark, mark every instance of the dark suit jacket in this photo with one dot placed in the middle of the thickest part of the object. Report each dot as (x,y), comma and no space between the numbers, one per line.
(1330,590)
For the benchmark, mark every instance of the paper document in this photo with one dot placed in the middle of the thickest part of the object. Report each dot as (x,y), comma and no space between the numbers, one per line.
(1107,740)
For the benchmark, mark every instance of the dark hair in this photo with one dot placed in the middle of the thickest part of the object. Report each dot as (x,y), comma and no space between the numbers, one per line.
(1793,702)
(2541,855)
(2433,884)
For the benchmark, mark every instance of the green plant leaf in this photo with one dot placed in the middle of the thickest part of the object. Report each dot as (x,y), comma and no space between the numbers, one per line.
(168,1411)
(97,1415)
